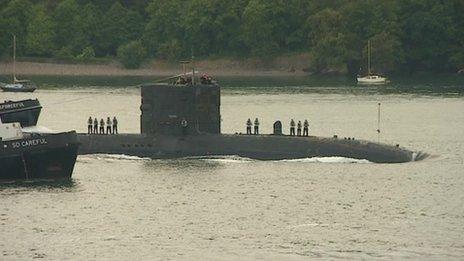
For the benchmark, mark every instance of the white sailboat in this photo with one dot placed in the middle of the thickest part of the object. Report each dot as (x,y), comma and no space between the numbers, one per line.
(17,85)
(371,78)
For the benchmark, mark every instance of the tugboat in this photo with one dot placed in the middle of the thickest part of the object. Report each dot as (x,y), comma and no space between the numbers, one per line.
(26,112)
(30,152)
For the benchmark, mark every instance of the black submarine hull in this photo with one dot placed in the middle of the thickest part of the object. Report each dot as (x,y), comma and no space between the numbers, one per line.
(261,147)
(39,157)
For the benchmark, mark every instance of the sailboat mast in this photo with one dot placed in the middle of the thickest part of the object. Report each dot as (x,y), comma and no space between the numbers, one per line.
(369,57)
(14,58)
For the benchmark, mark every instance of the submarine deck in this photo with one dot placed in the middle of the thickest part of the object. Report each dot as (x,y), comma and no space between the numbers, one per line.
(261,147)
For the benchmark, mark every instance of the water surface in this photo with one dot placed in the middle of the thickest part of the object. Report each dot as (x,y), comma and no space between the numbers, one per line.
(119,207)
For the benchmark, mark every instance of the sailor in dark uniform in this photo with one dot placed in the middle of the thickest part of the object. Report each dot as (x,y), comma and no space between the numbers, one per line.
(298,129)
(248,126)
(181,80)
(102,126)
(256,126)
(108,126)
(204,79)
(292,128)
(306,128)
(95,126)
(115,125)
(89,125)
(184,125)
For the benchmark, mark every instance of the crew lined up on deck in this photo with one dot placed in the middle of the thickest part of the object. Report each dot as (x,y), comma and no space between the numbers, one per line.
(250,124)
(300,127)
(94,128)
(305,126)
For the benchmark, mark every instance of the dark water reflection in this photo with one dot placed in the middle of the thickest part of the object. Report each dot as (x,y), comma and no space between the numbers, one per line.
(423,84)
(233,208)
(181,166)
(40,185)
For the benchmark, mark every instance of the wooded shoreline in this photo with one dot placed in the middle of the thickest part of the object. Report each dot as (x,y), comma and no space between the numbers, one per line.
(406,36)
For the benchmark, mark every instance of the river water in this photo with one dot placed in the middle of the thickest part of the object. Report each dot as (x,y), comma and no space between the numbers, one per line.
(229,208)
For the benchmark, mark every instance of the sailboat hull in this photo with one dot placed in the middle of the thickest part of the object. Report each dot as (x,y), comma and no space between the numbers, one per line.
(9,88)
(372,80)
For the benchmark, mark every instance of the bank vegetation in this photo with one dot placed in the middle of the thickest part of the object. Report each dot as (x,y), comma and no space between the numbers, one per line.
(407,36)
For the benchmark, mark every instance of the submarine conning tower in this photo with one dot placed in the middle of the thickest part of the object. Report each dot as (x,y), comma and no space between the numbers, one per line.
(166,107)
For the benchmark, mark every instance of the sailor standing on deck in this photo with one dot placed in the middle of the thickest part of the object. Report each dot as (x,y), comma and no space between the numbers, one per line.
(292,128)
(108,126)
(248,126)
(89,125)
(306,128)
(102,126)
(298,129)
(256,126)
(95,126)
(115,125)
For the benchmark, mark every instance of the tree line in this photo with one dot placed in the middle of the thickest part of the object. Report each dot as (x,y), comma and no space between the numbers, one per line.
(406,35)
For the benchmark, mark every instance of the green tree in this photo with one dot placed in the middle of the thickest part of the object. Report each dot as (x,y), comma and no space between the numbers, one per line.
(119,26)
(132,54)
(87,54)
(406,35)
(3,40)
(386,52)
(228,39)
(212,27)
(371,19)
(15,20)
(66,24)
(164,25)
(88,29)
(199,25)
(328,40)
(428,34)
(457,57)
(171,50)
(40,37)
(265,27)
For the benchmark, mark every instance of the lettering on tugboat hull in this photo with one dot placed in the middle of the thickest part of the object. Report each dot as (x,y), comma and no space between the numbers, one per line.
(29,143)
(11,106)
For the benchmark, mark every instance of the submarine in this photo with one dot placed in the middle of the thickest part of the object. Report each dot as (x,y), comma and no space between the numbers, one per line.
(182,118)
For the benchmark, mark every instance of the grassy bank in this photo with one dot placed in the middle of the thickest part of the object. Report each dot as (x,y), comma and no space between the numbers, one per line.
(289,65)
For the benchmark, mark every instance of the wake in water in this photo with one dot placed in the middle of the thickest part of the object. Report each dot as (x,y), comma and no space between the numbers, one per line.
(329,160)
(238,159)
(110,157)
(223,159)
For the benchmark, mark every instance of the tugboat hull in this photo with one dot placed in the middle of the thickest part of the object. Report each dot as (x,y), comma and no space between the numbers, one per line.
(26,112)
(39,157)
